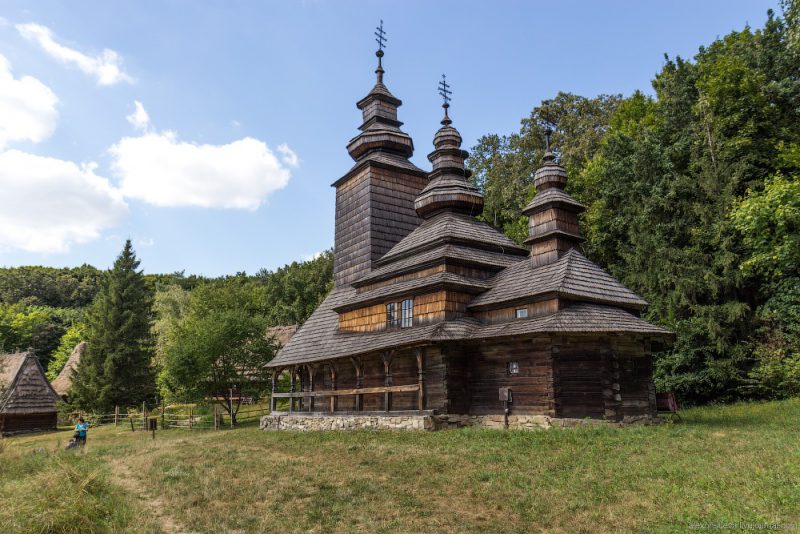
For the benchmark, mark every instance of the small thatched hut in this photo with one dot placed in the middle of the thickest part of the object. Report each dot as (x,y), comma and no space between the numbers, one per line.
(27,401)
(63,381)
(282,334)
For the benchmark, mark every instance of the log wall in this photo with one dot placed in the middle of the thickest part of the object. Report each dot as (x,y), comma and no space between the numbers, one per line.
(23,423)
(532,390)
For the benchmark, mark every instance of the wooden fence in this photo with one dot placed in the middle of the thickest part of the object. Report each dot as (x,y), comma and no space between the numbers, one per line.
(167,417)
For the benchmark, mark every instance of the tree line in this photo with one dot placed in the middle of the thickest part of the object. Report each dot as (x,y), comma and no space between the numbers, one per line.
(693,201)
(167,336)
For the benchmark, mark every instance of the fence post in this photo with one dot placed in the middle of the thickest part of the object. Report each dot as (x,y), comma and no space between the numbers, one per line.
(116,415)
(163,422)
(144,416)
(191,412)
(230,405)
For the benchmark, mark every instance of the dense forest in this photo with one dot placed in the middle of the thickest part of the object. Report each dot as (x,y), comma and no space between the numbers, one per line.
(693,198)
(693,201)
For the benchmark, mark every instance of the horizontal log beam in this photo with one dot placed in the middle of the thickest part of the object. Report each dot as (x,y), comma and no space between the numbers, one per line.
(342,392)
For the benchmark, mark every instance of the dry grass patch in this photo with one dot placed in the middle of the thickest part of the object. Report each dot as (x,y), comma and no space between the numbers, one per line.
(723,464)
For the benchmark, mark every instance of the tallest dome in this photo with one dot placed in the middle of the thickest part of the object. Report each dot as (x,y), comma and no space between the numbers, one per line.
(380,130)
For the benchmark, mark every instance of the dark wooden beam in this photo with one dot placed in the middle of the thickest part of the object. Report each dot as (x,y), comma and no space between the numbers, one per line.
(292,373)
(386,357)
(333,387)
(359,381)
(419,352)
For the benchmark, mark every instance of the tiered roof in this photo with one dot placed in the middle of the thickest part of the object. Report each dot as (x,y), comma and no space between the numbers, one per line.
(572,277)
(381,141)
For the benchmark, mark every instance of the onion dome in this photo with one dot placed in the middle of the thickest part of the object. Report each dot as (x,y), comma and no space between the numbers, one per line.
(449,188)
(380,130)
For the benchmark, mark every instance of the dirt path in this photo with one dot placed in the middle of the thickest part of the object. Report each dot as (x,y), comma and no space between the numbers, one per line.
(125,479)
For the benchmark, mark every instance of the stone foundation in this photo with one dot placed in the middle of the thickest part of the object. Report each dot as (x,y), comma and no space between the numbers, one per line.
(347,422)
(425,422)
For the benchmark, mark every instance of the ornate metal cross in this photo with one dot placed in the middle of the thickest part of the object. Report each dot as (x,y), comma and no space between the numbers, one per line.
(380,36)
(547,133)
(444,90)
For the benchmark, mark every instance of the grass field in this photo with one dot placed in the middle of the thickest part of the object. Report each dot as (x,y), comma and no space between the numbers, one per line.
(722,465)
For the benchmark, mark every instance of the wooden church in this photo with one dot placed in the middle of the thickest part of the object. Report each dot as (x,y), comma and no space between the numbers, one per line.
(436,313)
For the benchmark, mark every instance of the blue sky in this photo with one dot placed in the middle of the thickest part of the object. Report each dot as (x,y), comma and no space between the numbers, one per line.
(245,109)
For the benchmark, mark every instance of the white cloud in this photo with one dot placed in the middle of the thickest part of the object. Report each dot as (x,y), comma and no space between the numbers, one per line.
(105,67)
(161,170)
(146,242)
(48,204)
(288,156)
(139,118)
(27,108)
(312,257)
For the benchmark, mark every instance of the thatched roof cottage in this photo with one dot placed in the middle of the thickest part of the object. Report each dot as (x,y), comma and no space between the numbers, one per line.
(27,400)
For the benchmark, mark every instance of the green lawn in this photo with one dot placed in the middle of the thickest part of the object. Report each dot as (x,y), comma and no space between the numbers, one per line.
(737,463)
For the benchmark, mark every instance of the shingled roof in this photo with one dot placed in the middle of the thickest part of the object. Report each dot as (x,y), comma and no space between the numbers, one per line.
(319,339)
(431,282)
(572,276)
(455,254)
(449,227)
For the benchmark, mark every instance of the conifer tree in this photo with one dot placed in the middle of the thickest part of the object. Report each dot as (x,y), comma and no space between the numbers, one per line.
(115,370)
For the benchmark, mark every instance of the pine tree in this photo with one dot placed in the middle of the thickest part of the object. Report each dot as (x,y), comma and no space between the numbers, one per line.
(115,370)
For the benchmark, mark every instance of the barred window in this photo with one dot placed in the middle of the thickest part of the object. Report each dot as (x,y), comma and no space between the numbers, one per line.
(406,313)
(391,314)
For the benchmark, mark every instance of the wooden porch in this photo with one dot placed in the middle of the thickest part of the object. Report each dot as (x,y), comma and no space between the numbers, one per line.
(304,397)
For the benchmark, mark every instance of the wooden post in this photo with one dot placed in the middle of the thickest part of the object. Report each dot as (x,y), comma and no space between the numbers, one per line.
(387,372)
(333,387)
(116,415)
(291,389)
(310,370)
(191,416)
(359,383)
(163,418)
(144,416)
(230,404)
(272,400)
(420,378)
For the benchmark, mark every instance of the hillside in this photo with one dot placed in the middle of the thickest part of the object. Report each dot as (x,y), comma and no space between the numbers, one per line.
(728,464)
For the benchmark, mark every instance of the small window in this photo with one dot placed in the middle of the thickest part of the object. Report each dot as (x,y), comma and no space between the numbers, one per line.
(522,313)
(391,314)
(406,313)
(513,368)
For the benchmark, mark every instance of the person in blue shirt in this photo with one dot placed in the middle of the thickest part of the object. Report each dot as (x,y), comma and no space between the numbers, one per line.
(80,431)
